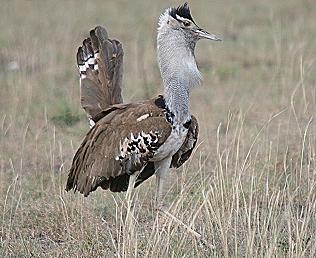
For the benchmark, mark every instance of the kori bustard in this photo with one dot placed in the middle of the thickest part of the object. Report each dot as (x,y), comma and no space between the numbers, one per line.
(128,143)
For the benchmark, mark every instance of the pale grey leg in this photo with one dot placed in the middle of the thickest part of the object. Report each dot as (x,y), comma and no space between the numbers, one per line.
(131,183)
(162,172)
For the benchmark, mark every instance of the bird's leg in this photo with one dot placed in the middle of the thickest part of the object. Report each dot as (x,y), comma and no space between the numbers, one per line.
(131,184)
(162,169)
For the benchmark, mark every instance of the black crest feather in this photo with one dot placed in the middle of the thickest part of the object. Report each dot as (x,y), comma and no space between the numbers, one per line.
(182,11)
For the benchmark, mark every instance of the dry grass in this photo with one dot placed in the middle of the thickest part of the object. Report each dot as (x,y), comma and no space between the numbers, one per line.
(249,187)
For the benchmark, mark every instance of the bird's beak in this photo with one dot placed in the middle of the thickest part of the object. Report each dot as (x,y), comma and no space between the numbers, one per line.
(205,35)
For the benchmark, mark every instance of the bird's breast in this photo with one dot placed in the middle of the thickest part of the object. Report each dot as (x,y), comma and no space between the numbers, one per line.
(172,144)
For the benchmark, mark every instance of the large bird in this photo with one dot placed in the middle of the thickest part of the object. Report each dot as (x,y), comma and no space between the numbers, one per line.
(130,142)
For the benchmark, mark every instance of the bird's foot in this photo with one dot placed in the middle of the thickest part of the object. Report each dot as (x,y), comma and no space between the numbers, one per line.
(189,229)
(161,207)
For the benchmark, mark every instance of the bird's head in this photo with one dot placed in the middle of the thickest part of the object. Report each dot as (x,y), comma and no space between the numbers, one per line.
(180,21)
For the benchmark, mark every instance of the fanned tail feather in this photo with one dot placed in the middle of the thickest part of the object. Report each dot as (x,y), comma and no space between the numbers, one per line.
(99,61)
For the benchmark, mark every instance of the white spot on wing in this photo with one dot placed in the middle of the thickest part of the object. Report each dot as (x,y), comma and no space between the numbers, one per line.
(142,117)
(82,68)
(91,123)
(90,61)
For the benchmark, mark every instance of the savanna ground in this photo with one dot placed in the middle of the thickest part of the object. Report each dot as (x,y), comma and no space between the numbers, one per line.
(249,187)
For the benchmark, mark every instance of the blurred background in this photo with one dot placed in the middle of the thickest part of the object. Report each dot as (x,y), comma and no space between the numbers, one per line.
(255,161)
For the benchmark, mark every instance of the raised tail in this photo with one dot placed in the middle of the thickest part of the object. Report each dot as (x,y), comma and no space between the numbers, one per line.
(100,63)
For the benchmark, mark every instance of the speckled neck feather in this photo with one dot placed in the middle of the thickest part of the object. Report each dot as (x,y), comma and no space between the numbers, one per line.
(178,68)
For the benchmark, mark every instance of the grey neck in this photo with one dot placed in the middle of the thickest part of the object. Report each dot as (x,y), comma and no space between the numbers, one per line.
(178,70)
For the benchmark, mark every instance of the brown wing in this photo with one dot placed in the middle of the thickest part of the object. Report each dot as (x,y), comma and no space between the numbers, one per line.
(109,153)
(187,147)
(100,62)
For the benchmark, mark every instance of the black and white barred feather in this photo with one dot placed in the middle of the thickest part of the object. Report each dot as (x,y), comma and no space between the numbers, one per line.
(99,62)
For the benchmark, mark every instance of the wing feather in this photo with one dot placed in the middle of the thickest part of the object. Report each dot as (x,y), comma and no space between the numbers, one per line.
(99,160)
(187,147)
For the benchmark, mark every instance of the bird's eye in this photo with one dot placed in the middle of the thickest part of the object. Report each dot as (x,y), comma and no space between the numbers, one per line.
(186,23)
